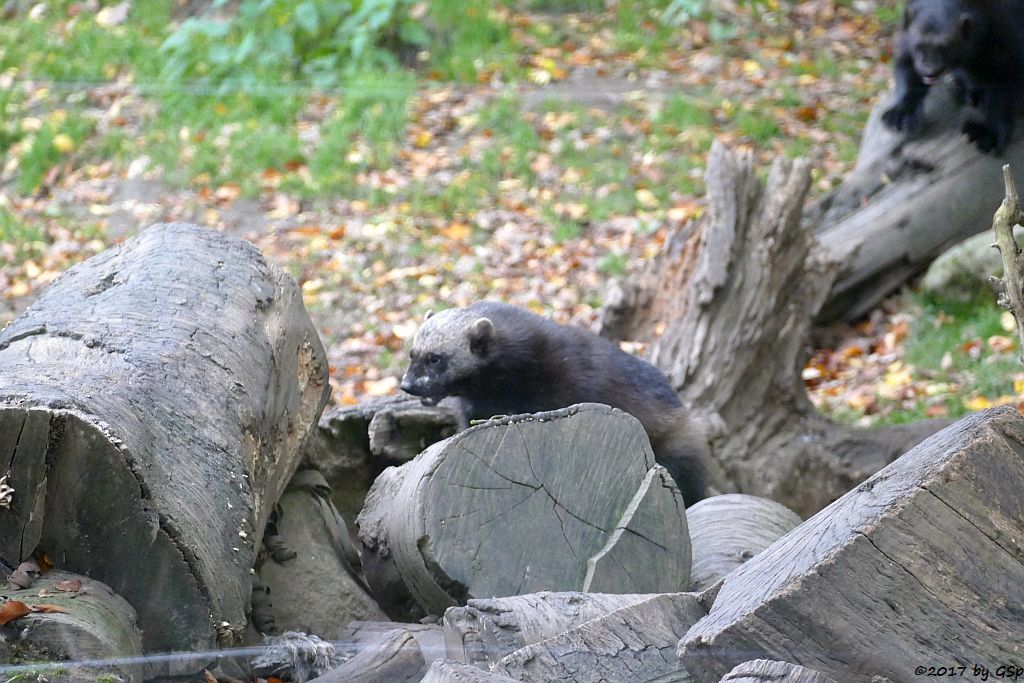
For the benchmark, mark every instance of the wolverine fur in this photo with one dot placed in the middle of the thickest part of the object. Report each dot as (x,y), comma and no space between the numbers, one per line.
(503,360)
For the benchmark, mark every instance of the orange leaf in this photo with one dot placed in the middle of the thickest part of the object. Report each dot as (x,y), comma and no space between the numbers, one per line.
(47,609)
(11,610)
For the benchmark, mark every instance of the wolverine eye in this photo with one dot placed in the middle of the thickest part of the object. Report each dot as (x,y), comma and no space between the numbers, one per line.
(432,359)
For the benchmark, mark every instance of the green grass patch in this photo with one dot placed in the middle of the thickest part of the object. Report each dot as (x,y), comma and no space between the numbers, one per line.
(57,138)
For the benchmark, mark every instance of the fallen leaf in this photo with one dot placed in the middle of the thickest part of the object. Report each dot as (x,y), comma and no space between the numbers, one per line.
(1001,344)
(69,585)
(47,609)
(11,610)
(977,403)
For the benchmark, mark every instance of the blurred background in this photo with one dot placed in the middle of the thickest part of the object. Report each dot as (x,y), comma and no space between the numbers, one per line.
(398,156)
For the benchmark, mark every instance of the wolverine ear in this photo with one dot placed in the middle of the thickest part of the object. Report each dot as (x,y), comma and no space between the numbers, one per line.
(966,25)
(481,336)
(426,316)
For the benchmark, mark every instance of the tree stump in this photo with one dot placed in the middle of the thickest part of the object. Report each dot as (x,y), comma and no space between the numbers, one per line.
(570,499)
(728,530)
(725,308)
(154,403)
(922,564)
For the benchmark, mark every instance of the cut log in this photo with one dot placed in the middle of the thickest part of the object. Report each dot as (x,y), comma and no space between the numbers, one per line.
(725,309)
(924,562)
(95,627)
(768,671)
(728,530)
(906,202)
(486,630)
(316,590)
(562,500)
(154,403)
(449,671)
(354,444)
(394,658)
(634,643)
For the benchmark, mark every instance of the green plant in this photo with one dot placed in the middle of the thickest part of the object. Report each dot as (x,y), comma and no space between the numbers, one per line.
(680,12)
(318,41)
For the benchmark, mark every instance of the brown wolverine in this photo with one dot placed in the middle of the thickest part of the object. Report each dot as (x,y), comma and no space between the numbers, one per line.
(502,360)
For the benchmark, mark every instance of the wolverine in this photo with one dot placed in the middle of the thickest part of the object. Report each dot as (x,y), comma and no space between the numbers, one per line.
(498,359)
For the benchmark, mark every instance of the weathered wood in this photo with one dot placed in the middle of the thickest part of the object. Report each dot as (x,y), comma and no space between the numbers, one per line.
(96,625)
(922,563)
(360,636)
(394,658)
(485,630)
(907,201)
(449,671)
(529,503)
(1011,284)
(766,670)
(353,444)
(154,402)
(634,643)
(727,530)
(317,591)
(725,309)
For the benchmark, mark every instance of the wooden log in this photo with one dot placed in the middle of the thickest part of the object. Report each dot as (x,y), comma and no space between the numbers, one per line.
(562,500)
(728,530)
(907,201)
(450,671)
(766,670)
(360,636)
(154,402)
(394,657)
(94,635)
(316,590)
(921,564)
(353,444)
(634,643)
(725,309)
(485,630)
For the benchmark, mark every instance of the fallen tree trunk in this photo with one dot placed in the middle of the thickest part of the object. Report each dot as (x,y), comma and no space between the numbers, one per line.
(906,202)
(725,308)
(154,402)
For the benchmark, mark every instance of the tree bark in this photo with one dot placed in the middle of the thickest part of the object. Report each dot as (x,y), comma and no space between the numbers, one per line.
(154,402)
(725,309)
(907,201)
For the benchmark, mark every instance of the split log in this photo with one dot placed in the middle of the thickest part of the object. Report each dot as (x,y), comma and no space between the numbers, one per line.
(354,444)
(768,671)
(314,588)
(634,643)
(725,308)
(448,671)
(95,627)
(154,402)
(570,499)
(728,530)
(906,202)
(395,657)
(923,563)
(486,630)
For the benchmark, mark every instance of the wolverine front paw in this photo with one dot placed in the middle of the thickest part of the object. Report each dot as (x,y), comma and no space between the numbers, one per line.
(903,116)
(988,138)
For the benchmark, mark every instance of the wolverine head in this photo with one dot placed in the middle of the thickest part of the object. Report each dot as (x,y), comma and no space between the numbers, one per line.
(447,350)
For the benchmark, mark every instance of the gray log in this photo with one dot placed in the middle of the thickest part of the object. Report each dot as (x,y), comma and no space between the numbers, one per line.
(97,625)
(923,563)
(360,636)
(768,671)
(634,643)
(725,309)
(529,503)
(317,591)
(394,658)
(154,402)
(906,202)
(727,530)
(354,444)
(449,671)
(486,630)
